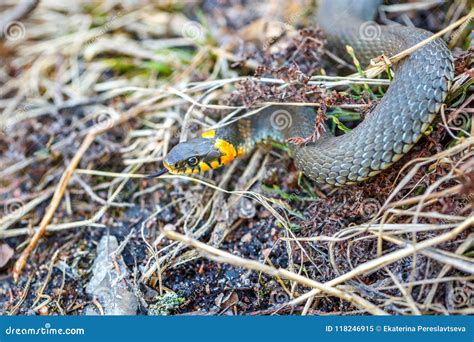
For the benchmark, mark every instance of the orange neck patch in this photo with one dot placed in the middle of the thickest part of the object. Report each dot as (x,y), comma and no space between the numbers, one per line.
(228,150)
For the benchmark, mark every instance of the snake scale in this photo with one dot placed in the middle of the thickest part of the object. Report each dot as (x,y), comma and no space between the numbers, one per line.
(413,99)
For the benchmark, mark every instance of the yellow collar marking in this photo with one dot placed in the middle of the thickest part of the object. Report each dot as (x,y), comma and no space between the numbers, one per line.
(229,153)
(209,134)
(204,167)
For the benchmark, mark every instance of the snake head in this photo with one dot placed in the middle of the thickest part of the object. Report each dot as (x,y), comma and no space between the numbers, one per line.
(199,155)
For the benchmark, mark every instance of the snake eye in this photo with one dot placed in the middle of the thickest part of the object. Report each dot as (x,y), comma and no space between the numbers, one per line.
(193,161)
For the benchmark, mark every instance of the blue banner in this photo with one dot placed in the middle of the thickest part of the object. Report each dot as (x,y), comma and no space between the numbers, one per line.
(241,329)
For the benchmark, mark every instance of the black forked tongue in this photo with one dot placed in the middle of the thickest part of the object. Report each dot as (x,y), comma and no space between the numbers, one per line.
(157,174)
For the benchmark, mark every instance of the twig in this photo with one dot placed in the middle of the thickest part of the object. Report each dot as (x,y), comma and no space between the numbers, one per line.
(389,259)
(379,67)
(222,256)
(63,182)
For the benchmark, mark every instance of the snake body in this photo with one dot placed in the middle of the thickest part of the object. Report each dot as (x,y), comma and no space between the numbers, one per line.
(415,96)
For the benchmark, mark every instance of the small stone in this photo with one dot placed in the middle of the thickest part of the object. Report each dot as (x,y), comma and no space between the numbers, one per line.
(44,311)
(169,226)
(110,285)
(246,238)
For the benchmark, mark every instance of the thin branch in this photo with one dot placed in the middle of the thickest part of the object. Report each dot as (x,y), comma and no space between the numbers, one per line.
(225,257)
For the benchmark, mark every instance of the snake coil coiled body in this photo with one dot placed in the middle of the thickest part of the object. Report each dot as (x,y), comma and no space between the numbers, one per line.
(410,104)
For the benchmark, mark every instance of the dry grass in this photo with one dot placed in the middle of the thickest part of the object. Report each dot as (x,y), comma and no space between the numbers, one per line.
(94,94)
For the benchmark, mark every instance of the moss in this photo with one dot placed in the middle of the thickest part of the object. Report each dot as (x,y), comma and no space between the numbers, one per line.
(166,304)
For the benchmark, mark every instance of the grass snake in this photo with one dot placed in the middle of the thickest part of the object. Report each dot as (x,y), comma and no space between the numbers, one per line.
(389,131)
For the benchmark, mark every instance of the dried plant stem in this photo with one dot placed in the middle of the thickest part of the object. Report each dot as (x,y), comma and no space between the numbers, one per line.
(222,256)
(63,182)
(389,259)
(380,67)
